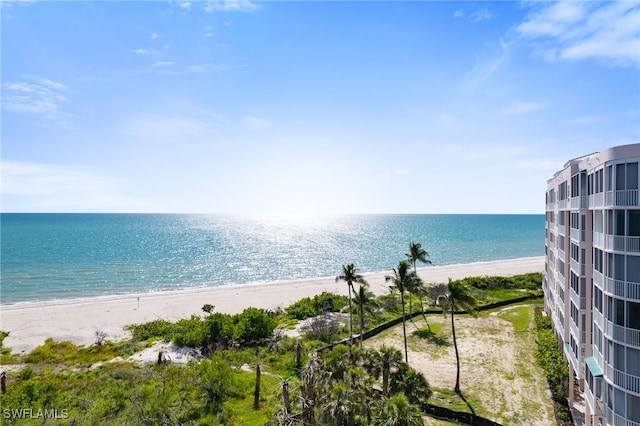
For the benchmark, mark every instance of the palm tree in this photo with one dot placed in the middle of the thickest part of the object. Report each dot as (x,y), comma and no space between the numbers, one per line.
(397,411)
(458,297)
(418,254)
(402,280)
(365,301)
(350,275)
(410,382)
(384,362)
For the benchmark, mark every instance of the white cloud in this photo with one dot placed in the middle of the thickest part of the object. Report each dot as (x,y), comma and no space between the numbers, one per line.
(163,64)
(145,52)
(523,108)
(256,124)
(485,68)
(208,31)
(606,31)
(38,96)
(155,36)
(458,14)
(58,187)
(231,6)
(585,119)
(480,15)
(185,5)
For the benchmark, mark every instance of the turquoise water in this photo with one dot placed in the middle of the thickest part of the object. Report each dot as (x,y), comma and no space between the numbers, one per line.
(60,256)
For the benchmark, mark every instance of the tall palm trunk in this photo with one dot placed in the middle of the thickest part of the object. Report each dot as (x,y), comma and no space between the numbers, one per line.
(350,316)
(404,330)
(361,323)
(455,346)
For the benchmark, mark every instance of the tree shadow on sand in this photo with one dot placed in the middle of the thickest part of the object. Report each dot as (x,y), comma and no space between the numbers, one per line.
(432,337)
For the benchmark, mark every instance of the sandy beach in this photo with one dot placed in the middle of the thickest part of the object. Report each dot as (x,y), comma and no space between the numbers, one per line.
(77,320)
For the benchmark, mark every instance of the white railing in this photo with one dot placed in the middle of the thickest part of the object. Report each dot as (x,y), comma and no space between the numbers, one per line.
(622,379)
(576,234)
(598,357)
(621,288)
(561,229)
(596,200)
(617,420)
(575,267)
(626,197)
(598,240)
(598,318)
(621,334)
(598,279)
(568,350)
(575,298)
(562,204)
(622,243)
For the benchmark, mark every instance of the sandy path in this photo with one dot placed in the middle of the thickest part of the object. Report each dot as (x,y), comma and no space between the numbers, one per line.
(77,320)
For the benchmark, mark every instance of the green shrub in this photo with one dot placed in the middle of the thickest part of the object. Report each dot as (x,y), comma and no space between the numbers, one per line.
(310,307)
(220,329)
(52,352)
(159,328)
(253,324)
(190,332)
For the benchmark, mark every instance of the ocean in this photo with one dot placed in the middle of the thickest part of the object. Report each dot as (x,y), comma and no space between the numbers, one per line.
(62,256)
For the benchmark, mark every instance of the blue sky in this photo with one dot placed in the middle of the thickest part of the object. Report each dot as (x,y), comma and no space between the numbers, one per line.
(309,107)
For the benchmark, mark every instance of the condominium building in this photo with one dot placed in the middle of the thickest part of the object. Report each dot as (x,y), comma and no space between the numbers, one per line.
(592,279)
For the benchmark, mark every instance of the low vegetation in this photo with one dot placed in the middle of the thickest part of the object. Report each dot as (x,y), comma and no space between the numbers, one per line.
(549,356)
(248,372)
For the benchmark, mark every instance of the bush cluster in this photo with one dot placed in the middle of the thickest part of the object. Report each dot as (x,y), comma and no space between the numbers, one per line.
(216,330)
(310,307)
(531,281)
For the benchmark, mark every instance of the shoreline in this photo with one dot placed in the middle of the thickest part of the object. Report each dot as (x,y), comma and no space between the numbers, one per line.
(77,320)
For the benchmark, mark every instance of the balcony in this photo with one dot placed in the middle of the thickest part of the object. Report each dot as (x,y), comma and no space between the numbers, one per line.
(580,302)
(621,334)
(596,200)
(572,359)
(598,319)
(579,202)
(622,198)
(562,204)
(616,420)
(598,279)
(622,243)
(627,289)
(561,230)
(598,240)
(578,235)
(622,379)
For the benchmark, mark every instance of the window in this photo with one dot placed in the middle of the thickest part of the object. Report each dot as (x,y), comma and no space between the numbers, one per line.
(598,221)
(633,223)
(632,176)
(597,260)
(619,314)
(627,176)
(575,220)
(609,178)
(634,316)
(619,222)
(597,299)
(562,191)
